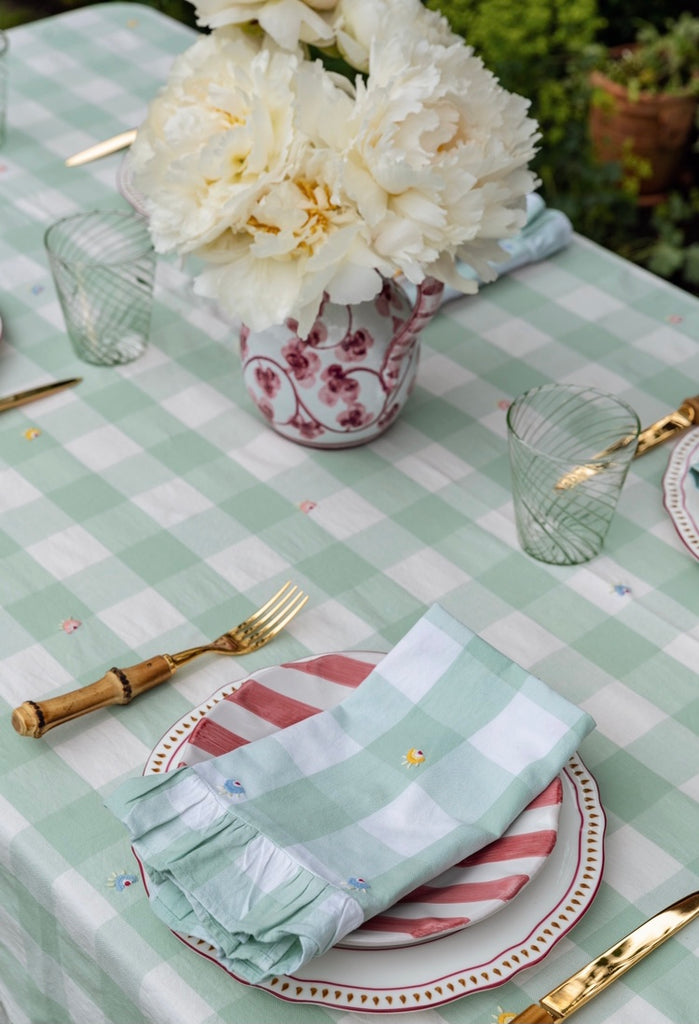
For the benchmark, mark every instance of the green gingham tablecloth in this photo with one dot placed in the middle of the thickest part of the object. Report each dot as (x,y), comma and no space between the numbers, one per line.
(150,508)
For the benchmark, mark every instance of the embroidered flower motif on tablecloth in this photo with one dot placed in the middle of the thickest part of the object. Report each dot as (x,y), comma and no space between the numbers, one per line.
(70,625)
(504,404)
(413,757)
(121,880)
(621,589)
(307,505)
(502,1016)
(675,318)
(31,433)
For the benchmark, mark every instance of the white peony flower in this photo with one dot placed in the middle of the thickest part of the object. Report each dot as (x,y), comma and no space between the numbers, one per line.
(302,239)
(292,184)
(437,162)
(219,134)
(287,22)
(296,234)
(358,22)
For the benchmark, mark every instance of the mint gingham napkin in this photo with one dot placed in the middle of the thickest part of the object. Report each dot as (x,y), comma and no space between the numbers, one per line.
(276,850)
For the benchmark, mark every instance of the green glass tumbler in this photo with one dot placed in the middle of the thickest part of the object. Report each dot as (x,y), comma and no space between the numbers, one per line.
(570,448)
(103,265)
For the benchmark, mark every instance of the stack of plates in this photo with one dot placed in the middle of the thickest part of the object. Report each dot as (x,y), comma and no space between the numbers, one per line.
(472,928)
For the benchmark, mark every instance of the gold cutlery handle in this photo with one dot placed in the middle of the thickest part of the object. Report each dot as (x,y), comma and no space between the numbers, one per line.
(669,426)
(657,433)
(117,686)
(561,1002)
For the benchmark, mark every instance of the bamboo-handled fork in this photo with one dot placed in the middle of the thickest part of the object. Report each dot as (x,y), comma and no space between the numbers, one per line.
(121,685)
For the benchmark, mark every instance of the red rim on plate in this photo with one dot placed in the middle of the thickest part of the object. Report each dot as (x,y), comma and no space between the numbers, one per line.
(437,924)
(680,493)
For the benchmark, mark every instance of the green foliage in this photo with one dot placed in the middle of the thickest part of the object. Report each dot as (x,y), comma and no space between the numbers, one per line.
(545,50)
(668,240)
(181,10)
(661,60)
(542,49)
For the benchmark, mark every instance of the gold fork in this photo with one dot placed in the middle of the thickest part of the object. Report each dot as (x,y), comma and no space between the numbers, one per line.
(121,685)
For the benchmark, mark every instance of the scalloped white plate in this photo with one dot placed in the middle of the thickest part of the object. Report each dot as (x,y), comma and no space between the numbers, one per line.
(681,493)
(368,972)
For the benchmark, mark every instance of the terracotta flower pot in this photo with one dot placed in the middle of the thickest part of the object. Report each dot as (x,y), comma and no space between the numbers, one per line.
(655,127)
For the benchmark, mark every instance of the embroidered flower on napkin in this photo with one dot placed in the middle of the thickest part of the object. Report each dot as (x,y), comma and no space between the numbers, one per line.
(276,850)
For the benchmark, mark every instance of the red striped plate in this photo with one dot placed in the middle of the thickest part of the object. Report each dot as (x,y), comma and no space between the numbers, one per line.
(469,892)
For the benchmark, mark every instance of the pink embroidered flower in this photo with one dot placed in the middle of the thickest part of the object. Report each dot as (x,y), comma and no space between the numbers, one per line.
(338,385)
(354,347)
(354,416)
(70,625)
(307,506)
(303,362)
(267,380)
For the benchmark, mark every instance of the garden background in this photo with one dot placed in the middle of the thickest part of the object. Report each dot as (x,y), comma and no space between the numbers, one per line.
(544,49)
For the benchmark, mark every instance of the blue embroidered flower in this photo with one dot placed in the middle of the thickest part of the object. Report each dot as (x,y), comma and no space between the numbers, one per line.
(233,789)
(621,589)
(360,884)
(121,880)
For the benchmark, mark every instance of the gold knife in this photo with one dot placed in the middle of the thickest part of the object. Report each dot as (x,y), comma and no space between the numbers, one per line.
(687,415)
(561,1002)
(669,426)
(100,149)
(32,394)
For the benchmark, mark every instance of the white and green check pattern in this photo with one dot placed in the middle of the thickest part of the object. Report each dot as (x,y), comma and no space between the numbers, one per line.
(275,851)
(156,509)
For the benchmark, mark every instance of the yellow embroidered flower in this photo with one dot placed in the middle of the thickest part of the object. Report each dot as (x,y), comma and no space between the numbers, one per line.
(413,757)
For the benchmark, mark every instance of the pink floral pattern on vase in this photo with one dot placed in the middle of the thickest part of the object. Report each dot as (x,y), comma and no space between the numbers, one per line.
(349,379)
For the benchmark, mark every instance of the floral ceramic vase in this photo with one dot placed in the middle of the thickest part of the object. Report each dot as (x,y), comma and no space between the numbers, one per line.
(348,380)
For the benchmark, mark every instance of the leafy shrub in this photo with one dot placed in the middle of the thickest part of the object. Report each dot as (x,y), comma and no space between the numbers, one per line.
(545,50)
